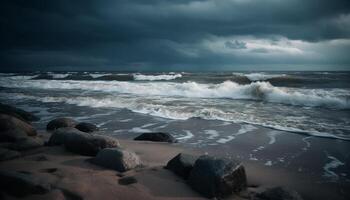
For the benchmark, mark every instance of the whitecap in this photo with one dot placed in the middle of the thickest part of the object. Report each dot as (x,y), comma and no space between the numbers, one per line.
(170,76)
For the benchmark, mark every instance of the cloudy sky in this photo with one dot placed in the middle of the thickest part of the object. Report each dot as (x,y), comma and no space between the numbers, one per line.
(175,35)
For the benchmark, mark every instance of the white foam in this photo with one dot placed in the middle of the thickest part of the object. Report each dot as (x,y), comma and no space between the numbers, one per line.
(148,125)
(98,75)
(125,120)
(167,111)
(245,129)
(268,163)
(272,135)
(261,91)
(212,134)
(259,76)
(58,76)
(226,139)
(139,130)
(308,144)
(328,167)
(188,135)
(170,76)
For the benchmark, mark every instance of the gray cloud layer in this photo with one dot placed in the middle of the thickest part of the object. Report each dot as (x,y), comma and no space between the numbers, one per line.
(183,34)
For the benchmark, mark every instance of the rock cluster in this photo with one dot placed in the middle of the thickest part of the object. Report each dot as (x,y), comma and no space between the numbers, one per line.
(210,176)
(16,132)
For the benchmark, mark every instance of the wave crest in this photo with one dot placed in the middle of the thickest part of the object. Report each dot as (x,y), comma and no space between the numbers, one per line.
(141,77)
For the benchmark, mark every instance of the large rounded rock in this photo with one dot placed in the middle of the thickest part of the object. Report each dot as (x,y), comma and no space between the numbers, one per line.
(86,127)
(18,113)
(13,125)
(60,123)
(21,184)
(156,137)
(277,193)
(182,164)
(217,177)
(12,135)
(88,144)
(58,136)
(117,159)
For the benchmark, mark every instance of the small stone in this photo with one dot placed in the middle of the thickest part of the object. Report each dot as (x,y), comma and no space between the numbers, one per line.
(156,137)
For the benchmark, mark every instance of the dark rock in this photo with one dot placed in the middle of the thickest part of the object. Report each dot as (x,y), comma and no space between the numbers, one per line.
(6,154)
(60,123)
(27,143)
(156,137)
(182,164)
(12,125)
(88,144)
(86,127)
(21,184)
(58,136)
(217,177)
(277,193)
(18,113)
(127,180)
(117,159)
(12,135)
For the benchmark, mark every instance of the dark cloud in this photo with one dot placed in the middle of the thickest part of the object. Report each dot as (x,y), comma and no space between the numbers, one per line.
(157,34)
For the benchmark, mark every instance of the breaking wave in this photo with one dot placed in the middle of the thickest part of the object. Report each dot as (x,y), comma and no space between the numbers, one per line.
(177,112)
(141,77)
(260,91)
(260,76)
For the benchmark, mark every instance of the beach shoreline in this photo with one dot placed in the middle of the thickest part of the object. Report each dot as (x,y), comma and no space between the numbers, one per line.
(78,176)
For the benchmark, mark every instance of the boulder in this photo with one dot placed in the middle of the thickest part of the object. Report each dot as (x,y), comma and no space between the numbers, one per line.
(57,137)
(277,193)
(27,143)
(86,127)
(156,137)
(18,113)
(182,164)
(6,154)
(12,135)
(217,177)
(21,184)
(88,144)
(13,125)
(60,123)
(117,159)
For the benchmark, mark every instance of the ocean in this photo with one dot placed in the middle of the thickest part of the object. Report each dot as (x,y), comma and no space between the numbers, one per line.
(310,103)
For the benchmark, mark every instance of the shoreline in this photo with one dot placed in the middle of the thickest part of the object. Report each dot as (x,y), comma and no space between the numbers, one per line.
(153,181)
(73,176)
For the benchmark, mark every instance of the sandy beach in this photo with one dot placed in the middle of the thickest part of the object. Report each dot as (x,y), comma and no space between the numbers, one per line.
(72,176)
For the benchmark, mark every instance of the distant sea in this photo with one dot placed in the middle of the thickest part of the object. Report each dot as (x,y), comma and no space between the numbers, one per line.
(310,103)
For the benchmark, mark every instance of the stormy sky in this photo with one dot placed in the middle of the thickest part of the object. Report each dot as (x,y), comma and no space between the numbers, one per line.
(175,35)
